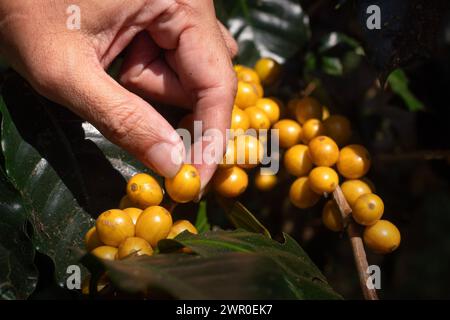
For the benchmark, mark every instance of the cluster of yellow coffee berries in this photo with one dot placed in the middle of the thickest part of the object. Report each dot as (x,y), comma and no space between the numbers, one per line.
(314,156)
(316,152)
(140,222)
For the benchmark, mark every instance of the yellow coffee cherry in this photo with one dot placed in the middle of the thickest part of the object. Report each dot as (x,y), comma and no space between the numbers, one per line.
(125,202)
(91,239)
(134,246)
(105,253)
(239,119)
(368,209)
(323,179)
(270,108)
(265,182)
(268,70)
(354,161)
(144,190)
(134,213)
(179,227)
(114,226)
(307,108)
(238,67)
(331,216)
(258,118)
(289,133)
(185,186)
(323,151)
(301,194)
(153,225)
(230,182)
(325,113)
(338,128)
(382,237)
(247,94)
(249,151)
(247,75)
(297,161)
(353,189)
(312,129)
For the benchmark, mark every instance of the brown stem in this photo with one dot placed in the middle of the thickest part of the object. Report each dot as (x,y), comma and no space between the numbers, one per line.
(356,242)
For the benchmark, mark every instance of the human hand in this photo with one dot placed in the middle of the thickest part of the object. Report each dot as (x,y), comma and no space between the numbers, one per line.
(179,54)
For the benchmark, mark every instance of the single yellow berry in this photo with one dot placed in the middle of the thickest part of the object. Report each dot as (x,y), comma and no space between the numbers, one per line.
(297,161)
(265,182)
(270,108)
(247,75)
(247,94)
(153,225)
(354,161)
(144,190)
(179,227)
(114,226)
(134,213)
(307,108)
(258,118)
(353,189)
(331,216)
(301,194)
(323,179)
(323,151)
(249,151)
(185,186)
(289,132)
(91,239)
(134,246)
(312,129)
(239,119)
(382,237)
(268,70)
(230,182)
(368,209)
(105,252)
(338,128)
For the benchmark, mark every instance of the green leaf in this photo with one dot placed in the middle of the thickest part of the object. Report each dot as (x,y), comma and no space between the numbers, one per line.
(399,84)
(241,217)
(332,66)
(18,275)
(259,267)
(201,223)
(276,28)
(58,165)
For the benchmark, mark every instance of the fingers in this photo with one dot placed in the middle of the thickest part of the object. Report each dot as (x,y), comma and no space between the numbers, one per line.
(146,73)
(119,115)
(231,44)
(196,51)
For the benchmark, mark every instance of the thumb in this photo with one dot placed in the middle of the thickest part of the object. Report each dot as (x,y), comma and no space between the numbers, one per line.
(122,117)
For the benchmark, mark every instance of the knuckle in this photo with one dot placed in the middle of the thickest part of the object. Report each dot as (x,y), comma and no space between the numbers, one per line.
(122,122)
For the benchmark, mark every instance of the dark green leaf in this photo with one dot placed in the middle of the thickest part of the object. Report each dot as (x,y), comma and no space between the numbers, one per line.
(58,165)
(201,222)
(18,275)
(277,28)
(241,217)
(260,268)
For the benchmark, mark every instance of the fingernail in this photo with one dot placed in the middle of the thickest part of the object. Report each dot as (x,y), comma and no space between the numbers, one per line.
(166,158)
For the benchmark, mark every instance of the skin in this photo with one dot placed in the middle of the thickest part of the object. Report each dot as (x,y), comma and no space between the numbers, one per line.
(177,53)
